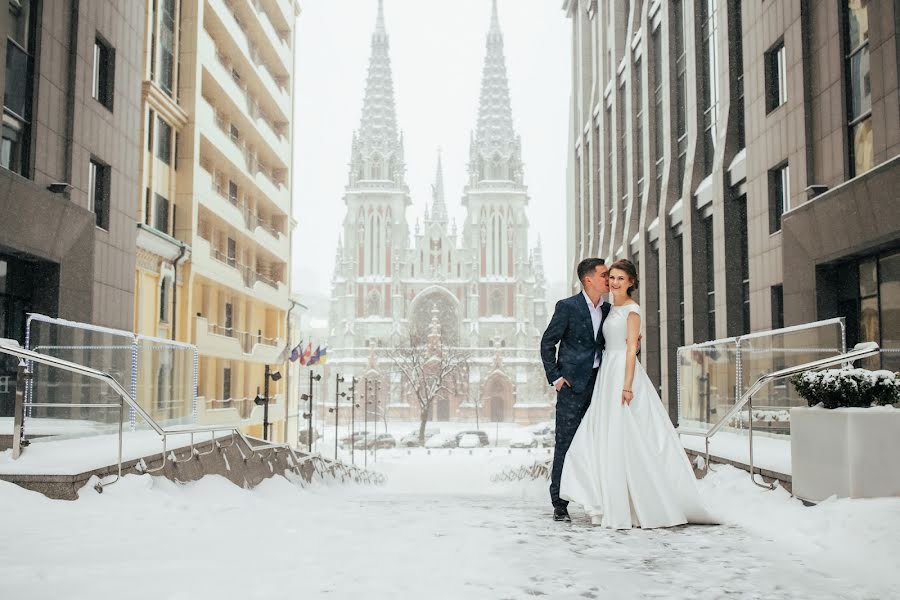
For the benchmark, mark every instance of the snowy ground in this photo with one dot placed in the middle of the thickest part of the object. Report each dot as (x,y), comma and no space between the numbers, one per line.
(437,530)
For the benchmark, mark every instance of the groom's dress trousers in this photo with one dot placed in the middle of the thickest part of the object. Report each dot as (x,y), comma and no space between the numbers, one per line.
(580,347)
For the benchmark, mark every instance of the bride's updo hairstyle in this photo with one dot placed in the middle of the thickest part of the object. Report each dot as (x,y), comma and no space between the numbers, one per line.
(628,267)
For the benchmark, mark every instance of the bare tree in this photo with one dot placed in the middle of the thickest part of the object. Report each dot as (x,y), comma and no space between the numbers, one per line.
(429,369)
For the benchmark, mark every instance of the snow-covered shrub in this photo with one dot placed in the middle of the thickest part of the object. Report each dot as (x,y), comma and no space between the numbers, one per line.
(834,388)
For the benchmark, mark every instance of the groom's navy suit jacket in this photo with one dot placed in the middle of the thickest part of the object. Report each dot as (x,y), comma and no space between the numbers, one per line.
(572,329)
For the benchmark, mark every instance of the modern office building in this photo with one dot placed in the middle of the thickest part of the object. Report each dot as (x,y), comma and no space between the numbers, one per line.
(213,196)
(746,155)
(70,72)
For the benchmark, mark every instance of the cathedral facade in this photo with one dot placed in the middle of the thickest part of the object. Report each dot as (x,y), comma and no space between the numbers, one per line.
(482,288)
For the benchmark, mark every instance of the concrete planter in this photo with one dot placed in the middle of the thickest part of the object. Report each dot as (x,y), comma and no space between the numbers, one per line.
(845,452)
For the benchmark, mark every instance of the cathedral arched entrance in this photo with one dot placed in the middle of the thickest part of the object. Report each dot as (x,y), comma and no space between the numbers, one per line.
(497,398)
(421,313)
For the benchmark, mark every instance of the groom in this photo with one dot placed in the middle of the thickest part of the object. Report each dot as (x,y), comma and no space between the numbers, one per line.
(577,326)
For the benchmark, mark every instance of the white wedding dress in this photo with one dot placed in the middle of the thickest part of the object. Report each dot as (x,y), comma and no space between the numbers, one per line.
(626,465)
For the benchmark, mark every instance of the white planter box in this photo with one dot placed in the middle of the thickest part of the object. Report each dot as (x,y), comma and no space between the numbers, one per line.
(845,452)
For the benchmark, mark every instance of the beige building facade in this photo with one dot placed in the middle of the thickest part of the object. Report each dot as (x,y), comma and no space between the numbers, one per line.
(213,208)
(746,155)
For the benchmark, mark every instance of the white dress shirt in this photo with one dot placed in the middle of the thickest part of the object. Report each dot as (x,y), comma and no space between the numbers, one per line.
(596,318)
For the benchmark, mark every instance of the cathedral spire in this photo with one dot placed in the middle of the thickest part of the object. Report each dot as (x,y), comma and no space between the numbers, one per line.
(377,152)
(495,151)
(438,204)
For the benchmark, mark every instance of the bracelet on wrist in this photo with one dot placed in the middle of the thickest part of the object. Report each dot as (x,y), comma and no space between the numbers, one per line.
(629,391)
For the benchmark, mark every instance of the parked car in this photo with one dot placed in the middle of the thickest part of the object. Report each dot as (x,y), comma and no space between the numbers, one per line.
(348,440)
(411,439)
(443,440)
(523,439)
(545,433)
(469,440)
(482,437)
(382,441)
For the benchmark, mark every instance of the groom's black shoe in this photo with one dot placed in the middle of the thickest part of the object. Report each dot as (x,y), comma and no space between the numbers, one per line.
(560,513)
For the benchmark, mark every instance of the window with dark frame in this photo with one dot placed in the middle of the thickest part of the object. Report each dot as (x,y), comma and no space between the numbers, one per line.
(229,319)
(737,46)
(226,384)
(161,214)
(745,264)
(164,300)
(163,141)
(680,93)
(18,92)
(776,76)
(98,192)
(167,45)
(658,122)
(858,85)
(104,71)
(709,78)
(638,90)
(777,293)
(709,247)
(779,196)
(624,156)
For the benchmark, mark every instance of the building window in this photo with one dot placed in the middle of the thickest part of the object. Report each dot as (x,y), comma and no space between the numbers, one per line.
(373,304)
(226,384)
(779,196)
(709,78)
(709,244)
(161,214)
(678,264)
(229,319)
(18,92)
(496,302)
(776,77)
(859,86)
(98,192)
(624,155)
(608,187)
(104,72)
(231,252)
(164,300)
(777,307)
(639,134)
(163,141)
(680,93)
(167,45)
(745,264)
(658,122)
(233,192)
(737,46)
(150,121)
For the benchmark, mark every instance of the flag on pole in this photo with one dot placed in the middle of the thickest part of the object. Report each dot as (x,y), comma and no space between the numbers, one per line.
(304,358)
(323,358)
(315,357)
(295,353)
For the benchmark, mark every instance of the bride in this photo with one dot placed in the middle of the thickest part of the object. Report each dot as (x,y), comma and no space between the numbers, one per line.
(626,465)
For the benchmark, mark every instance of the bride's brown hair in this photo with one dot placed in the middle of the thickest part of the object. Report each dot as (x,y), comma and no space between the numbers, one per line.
(627,266)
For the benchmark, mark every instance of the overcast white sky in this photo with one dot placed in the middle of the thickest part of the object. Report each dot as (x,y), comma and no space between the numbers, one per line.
(437,49)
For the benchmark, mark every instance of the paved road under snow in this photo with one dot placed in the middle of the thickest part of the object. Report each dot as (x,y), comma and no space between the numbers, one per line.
(438,530)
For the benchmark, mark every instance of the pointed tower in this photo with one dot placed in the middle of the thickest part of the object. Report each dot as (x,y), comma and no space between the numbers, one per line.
(376,197)
(377,150)
(495,152)
(438,204)
(495,198)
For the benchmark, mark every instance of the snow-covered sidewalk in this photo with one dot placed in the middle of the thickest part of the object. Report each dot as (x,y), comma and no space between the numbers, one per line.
(437,530)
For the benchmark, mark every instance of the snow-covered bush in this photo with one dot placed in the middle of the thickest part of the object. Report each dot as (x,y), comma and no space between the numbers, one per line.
(834,388)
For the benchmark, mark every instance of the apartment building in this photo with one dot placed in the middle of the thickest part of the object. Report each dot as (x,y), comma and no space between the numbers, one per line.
(746,155)
(214,202)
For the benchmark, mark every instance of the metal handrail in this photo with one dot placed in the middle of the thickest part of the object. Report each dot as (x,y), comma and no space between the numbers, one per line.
(13,348)
(861,350)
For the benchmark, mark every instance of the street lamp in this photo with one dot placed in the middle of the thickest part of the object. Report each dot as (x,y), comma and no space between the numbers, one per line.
(308,415)
(264,399)
(338,379)
(353,405)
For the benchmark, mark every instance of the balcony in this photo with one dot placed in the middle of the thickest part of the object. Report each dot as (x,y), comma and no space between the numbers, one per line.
(279,47)
(219,133)
(239,216)
(229,26)
(237,91)
(232,344)
(217,266)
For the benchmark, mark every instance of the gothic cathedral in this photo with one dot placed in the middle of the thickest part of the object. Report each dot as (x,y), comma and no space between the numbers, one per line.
(482,289)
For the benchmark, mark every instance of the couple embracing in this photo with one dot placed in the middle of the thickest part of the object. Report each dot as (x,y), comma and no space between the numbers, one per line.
(617,453)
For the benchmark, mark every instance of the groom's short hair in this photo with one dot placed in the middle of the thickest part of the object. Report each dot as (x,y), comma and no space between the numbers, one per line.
(587,266)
